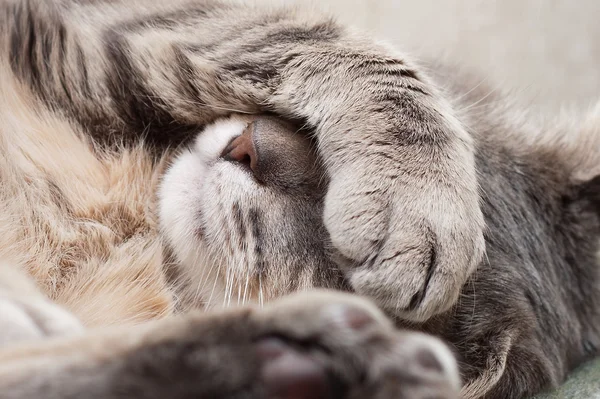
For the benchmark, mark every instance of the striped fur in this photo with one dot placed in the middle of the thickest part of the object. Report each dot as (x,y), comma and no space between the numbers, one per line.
(96,96)
(125,69)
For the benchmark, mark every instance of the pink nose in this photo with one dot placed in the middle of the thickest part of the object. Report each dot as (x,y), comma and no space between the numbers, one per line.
(242,149)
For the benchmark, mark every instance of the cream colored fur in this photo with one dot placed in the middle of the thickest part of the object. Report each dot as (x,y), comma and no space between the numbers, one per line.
(96,250)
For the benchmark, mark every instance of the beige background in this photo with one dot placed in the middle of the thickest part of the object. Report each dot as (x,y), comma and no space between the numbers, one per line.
(548,51)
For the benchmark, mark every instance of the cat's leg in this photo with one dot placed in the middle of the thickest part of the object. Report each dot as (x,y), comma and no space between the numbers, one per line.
(25,314)
(315,345)
(403,203)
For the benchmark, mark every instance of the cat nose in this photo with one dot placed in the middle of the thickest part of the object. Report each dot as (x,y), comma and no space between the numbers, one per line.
(242,149)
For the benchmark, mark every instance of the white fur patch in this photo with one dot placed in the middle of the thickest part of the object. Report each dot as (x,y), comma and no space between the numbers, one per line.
(188,201)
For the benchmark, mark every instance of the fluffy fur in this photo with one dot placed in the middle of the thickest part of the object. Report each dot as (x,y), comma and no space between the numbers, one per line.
(377,194)
(82,224)
(125,69)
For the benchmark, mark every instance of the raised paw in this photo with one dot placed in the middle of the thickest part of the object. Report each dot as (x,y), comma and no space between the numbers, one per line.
(405,238)
(323,345)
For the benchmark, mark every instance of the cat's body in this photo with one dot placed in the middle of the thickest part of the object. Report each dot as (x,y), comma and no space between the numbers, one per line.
(536,294)
(526,317)
(81,218)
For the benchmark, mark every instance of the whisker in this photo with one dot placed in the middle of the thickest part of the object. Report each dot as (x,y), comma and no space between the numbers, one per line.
(260,291)
(205,280)
(227,273)
(212,292)
(230,284)
(470,106)
(463,95)
(239,294)
(246,287)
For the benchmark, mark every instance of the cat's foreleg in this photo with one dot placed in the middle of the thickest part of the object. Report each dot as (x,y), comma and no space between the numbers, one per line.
(403,203)
(317,345)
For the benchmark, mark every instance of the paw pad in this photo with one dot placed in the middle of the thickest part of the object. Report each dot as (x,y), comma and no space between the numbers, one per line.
(290,374)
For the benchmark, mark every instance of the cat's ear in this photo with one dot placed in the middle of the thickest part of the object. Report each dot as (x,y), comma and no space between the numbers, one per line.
(585,162)
(586,196)
(578,145)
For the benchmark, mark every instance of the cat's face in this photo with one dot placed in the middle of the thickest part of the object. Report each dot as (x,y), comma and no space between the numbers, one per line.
(242,212)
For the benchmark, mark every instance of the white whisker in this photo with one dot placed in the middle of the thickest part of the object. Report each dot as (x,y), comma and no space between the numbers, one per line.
(246,287)
(230,285)
(260,291)
(227,273)
(212,292)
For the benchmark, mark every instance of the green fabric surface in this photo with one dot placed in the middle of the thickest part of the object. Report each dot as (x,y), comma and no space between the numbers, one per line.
(584,383)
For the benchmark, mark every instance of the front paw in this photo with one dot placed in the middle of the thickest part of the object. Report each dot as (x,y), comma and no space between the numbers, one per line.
(28,318)
(409,235)
(319,345)
(325,345)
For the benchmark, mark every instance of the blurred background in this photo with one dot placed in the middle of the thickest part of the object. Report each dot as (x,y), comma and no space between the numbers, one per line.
(546,51)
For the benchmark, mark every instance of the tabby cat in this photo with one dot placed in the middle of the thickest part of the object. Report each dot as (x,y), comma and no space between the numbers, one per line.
(384,192)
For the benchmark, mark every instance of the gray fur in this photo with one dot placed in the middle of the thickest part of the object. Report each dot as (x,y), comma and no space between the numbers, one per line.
(405,184)
(125,69)
(528,315)
(303,345)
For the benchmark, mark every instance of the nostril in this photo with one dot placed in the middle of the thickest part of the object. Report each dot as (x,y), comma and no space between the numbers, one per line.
(242,149)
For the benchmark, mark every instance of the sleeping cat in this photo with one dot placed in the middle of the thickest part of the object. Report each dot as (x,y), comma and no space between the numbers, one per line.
(241,210)
(123,70)
(382,201)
